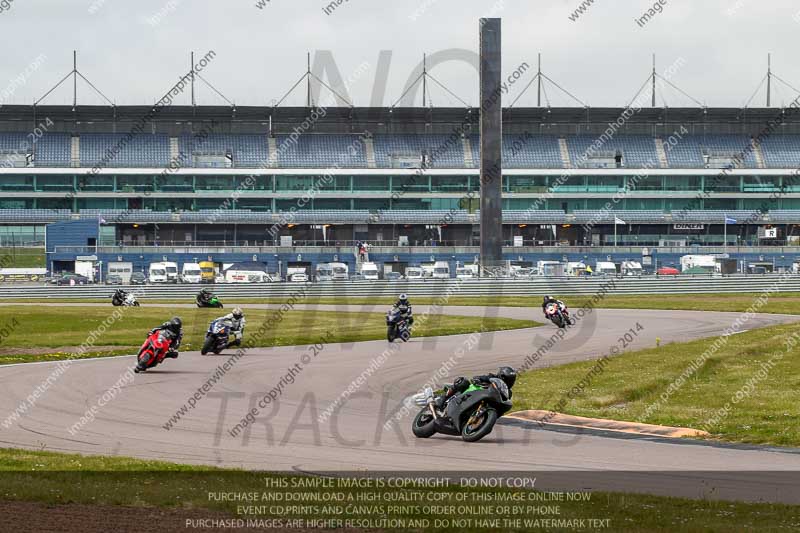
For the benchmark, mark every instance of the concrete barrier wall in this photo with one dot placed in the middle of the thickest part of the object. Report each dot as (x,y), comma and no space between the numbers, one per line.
(433,288)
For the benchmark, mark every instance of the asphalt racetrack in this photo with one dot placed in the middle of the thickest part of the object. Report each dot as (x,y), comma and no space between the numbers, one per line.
(293,433)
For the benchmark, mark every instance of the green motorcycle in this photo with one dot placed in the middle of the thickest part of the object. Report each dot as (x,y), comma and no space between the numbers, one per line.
(208,301)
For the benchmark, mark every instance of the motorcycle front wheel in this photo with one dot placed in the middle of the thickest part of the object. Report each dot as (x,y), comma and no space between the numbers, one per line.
(390,334)
(423,425)
(207,345)
(480,427)
(145,358)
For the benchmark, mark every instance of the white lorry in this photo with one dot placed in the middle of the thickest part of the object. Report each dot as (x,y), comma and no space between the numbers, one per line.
(706,262)
(605,268)
(190,273)
(551,268)
(123,269)
(157,273)
(631,268)
(467,272)
(247,272)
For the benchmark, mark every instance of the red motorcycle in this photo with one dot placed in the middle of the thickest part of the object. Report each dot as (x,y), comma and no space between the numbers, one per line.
(558,314)
(155,348)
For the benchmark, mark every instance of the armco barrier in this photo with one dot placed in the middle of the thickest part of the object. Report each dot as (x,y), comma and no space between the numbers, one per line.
(479,287)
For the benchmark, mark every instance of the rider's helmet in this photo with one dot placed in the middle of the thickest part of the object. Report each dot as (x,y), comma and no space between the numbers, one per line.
(508,375)
(175,325)
(403,300)
(460,384)
(546,298)
(238,313)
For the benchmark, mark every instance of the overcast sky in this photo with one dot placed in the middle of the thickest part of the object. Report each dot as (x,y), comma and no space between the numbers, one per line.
(135,50)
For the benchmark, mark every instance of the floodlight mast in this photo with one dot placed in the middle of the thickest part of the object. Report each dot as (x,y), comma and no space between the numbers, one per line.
(491,129)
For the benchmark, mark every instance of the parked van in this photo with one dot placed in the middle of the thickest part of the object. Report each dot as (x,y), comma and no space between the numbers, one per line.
(157,273)
(340,271)
(172,271)
(413,273)
(190,273)
(324,272)
(369,271)
(441,270)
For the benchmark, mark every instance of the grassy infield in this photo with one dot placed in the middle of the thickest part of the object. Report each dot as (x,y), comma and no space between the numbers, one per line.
(44,328)
(629,384)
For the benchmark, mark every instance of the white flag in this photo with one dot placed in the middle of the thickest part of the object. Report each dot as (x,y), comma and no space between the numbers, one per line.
(618,220)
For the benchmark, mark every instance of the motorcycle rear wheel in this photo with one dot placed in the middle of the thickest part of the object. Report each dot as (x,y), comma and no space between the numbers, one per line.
(475,432)
(423,425)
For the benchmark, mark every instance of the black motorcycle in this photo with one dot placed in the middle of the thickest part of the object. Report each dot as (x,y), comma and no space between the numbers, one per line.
(396,326)
(471,414)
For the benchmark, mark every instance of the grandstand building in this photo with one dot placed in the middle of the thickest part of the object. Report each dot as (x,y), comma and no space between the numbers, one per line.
(234,183)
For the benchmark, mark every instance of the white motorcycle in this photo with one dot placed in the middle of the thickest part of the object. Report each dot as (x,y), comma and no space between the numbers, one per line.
(124,299)
(557,313)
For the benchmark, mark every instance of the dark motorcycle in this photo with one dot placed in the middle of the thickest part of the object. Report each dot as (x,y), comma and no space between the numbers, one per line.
(216,337)
(471,414)
(209,301)
(558,314)
(396,326)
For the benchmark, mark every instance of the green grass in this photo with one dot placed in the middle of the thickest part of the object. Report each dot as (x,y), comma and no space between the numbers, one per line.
(631,382)
(49,327)
(55,478)
(22,258)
